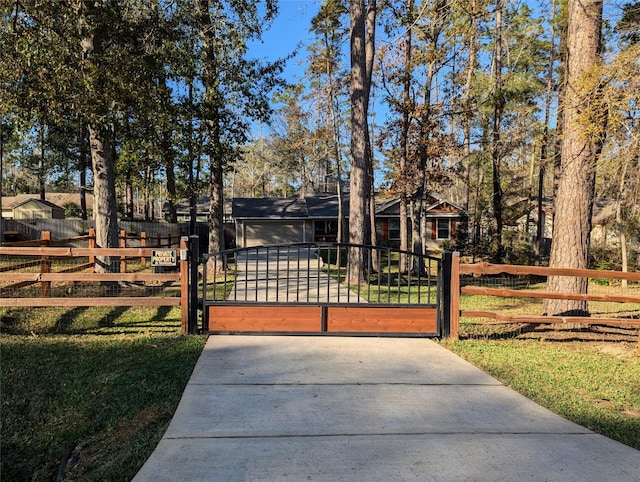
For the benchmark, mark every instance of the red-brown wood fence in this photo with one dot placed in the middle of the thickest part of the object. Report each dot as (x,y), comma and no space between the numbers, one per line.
(458,269)
(44,250)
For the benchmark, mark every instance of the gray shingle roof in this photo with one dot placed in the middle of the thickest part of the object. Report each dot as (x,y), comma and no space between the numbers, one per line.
(269,208)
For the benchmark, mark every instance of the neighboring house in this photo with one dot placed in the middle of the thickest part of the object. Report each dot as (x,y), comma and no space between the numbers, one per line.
(183,211)
(602,229)
(9,203)
(37,209)
(264,221)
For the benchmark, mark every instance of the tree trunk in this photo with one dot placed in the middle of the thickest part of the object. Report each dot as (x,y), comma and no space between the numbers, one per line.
(334,107)
(404,134)
(574,201)
(104,195)
(105,211)
(370,29)
(544,143)
(212,108)
(82,168)
(216,203)
(41,162)
(359,188)
(624,255)
(168,154)
(468,111)
(128,198)
(496,142)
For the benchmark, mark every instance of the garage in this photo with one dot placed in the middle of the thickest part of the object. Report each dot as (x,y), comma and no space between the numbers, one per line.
(264,233)
(269,221)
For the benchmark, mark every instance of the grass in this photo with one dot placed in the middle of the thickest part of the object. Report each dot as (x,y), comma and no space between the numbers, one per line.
(98,383)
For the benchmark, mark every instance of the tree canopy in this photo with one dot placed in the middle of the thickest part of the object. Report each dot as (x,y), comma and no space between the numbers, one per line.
(158,101)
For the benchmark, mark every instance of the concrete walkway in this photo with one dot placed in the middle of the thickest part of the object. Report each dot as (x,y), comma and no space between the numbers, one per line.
(367,409)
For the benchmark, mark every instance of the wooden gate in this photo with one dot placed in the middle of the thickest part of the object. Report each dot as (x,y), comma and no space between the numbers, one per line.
(323,288)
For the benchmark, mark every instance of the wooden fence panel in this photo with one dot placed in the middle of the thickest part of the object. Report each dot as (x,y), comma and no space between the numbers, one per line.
(480,269)
(84,273)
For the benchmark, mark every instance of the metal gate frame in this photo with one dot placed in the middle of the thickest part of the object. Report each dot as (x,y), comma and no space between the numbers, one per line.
(293,289)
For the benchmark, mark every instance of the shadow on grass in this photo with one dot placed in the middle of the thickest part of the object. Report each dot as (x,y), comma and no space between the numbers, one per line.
(108,320)
(66,320)
(33,321)
(161,313)
(547,332)
(111,397)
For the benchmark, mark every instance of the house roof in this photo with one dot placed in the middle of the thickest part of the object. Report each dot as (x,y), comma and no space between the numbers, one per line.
(39,201)
(436,200)
(316,206)
(322,206)
(202,206)
(269,208)
(435,203)
(57,198)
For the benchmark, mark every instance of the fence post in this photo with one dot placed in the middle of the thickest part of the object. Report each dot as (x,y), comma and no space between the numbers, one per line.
(194,249)
(445,296)
(123,244)
(143,244)
(45,264)
(92,245)
(455,297)
(184,286)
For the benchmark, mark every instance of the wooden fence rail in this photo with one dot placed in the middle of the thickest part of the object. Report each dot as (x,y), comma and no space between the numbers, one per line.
(85,272)
(459,269)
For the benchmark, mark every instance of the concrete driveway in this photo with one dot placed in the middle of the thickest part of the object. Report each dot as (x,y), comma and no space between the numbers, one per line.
(288,275)
(367,409)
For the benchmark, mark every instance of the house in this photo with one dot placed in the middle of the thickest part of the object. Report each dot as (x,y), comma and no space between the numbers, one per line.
(37,209)
(183,210)
(264,221)
(443,219)
(59,200)
(602,230)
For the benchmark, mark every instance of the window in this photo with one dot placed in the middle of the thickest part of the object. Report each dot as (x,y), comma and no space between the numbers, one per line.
(444,229)
(394,228)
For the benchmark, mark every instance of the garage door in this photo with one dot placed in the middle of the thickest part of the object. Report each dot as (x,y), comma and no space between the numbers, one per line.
(265,233)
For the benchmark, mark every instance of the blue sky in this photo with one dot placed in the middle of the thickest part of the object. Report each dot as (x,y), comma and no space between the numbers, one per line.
(288,31)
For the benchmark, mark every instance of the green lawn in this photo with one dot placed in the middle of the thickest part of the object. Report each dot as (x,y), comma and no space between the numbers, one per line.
(103,380)
(590,374)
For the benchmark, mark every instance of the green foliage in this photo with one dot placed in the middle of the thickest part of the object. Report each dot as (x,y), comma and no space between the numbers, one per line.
(628,27)
(607,257)
(518,249)
(71,210)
